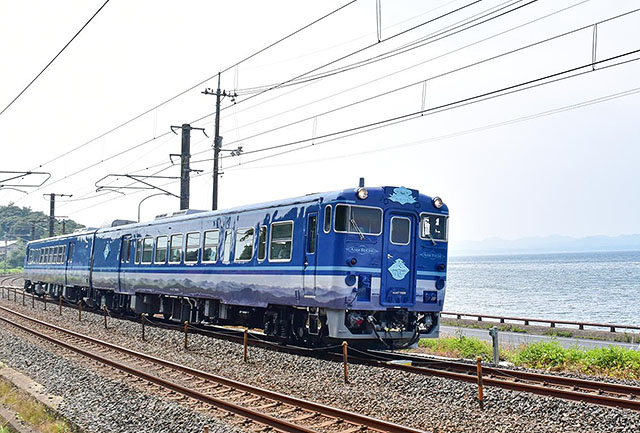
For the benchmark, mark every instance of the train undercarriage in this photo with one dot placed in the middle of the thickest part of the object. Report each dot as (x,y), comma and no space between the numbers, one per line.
(308,326)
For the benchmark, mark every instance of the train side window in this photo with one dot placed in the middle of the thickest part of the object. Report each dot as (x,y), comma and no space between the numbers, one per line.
(210,250)
(244,245)
(311,235)
(193,247)
(281,241)
(42,255)
(147,250)
(262,243)
(63,255)
(138,250)
(59,256)
(358,219)
(327,218)
(175,249)
(226,254)
(161,250)
(70,256)
(124,250)
(400,230)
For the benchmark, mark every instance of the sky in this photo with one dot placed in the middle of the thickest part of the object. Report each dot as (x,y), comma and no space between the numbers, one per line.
(545,160)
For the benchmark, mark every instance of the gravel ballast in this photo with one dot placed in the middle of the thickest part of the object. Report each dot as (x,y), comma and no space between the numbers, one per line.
(429,403)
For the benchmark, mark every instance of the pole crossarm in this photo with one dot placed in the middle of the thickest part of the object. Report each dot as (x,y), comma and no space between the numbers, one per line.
(6,178)
(136,178)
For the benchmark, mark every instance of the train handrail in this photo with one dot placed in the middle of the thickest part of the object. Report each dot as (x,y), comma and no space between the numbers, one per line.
(552,323)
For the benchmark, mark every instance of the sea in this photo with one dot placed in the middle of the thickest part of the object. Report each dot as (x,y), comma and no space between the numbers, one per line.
(601,287)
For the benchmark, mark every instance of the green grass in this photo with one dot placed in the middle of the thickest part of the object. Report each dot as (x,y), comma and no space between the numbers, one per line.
(556,333)
(9,271)
(460,346)
(29,410)
(610,361)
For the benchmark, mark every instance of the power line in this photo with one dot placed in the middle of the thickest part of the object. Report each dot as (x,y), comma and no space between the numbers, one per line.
(418,43)
(258,94)
(530,84)
(123,124)
(546,113)
(558,110)
(52,60)
(547,79)
(407,86)
(406,68)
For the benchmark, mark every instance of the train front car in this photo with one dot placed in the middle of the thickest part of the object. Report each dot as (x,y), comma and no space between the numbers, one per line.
(393,242)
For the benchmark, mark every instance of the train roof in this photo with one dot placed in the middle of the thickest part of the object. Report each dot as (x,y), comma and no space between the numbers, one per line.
(195,214)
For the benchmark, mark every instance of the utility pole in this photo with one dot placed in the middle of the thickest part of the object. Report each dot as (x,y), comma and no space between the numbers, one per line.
(185,156)
(217,140)
(33,230)
(217,143)
(52,210)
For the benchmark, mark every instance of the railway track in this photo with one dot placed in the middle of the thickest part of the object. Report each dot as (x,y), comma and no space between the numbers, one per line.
(590,391)
(263,407)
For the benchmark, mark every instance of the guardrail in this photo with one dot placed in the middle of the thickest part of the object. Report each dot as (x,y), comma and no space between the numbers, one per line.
(552,323)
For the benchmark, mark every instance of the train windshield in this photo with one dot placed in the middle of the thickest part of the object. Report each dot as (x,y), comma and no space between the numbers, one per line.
(358,219)
(434,227)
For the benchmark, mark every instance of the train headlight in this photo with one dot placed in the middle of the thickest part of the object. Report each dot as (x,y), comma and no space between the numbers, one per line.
(437,202)
(362,193)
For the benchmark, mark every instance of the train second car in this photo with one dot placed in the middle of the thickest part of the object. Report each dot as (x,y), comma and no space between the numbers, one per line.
(365,265)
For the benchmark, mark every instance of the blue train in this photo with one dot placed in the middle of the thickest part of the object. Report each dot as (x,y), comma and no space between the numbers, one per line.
(361,264)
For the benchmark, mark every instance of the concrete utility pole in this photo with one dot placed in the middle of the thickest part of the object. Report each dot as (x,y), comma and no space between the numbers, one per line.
(52,210)
(185,157)
(217,140)
(217,143)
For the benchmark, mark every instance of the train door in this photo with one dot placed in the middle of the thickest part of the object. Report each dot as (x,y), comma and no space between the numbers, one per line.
(310,256)
(397,286)
(68,262)
(125,261)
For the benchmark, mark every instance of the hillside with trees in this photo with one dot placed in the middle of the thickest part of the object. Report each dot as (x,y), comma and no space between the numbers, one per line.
(22,225)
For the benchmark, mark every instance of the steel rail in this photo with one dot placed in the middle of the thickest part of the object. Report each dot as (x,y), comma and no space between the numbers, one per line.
(443,366)
(592,385)
(373,423)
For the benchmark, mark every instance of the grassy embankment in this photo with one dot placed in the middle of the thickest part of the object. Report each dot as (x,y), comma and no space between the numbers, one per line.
(610,361)
(33,413)
(10,271)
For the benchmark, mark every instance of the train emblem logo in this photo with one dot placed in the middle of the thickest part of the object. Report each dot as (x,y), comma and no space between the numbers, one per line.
(107,250)
(402,195)
(398,270)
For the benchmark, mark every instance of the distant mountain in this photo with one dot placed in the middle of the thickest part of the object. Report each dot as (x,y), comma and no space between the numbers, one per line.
(546,244)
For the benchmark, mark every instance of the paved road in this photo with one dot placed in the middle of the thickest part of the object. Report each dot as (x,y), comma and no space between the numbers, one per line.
(516,338)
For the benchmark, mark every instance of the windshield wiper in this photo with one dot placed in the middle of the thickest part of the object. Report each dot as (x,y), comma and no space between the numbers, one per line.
(353,222)
(432,240)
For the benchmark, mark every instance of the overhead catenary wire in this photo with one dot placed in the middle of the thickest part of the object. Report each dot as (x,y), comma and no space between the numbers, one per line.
(418,43)
(453,106)
(421,81)
(412,66)
(53,60)
(547,79)
(200,83)
(251,97)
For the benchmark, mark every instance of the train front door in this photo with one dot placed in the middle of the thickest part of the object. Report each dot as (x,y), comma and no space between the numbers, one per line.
(398,280)
(310,256)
